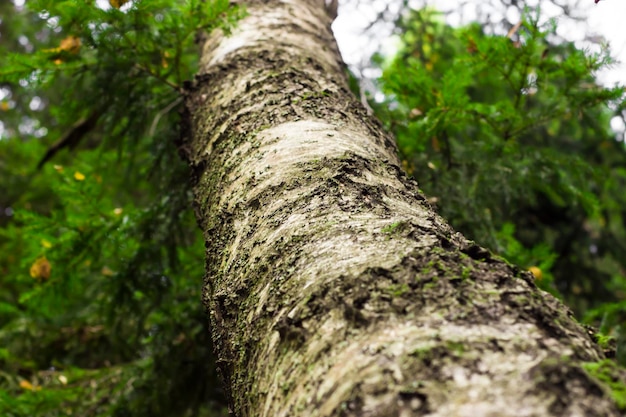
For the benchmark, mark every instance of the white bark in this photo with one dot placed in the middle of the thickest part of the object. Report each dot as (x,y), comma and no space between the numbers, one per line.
(333,288)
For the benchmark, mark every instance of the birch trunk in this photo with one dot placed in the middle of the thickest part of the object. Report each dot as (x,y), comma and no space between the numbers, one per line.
(333,288)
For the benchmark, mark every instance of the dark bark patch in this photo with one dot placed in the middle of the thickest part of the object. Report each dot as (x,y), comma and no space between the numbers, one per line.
(291,332)
(414,400)
(558,381)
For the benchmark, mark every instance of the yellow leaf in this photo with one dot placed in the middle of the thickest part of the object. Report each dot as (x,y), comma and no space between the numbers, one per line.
(78,176)
(46,244)
(24,384)
(118,3)
(536,272)
(4,105)
(415,112)
(164,59)
(408,168)
(117,211)
(70,44)
(40,269)
(107,272)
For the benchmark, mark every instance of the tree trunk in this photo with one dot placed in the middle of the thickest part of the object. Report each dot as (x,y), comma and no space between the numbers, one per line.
(333,288)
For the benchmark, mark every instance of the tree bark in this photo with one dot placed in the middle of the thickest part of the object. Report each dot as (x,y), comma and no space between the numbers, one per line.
(333,288)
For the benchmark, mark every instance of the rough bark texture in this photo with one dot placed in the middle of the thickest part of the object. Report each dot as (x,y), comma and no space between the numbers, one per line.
(333,288)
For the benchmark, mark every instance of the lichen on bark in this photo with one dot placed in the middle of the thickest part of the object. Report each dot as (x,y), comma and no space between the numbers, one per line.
(332,286)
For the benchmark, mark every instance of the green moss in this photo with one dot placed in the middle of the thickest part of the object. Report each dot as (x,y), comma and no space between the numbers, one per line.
(437,250)
(398,290)
(422,353)
(441,266)
(430,285)
(612,376)
(456,347)
(466,271)
(605,341)
(286,387)
(310,95)
(393,227)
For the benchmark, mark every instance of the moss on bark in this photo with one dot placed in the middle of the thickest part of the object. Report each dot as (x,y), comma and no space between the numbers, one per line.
(333,287)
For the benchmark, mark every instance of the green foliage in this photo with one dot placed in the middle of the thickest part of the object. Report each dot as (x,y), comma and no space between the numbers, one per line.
(112,324)
(119,318)
(540,257)
(510,138)
(613,377)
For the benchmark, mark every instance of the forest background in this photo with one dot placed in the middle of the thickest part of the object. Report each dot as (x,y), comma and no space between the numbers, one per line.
(503,124)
